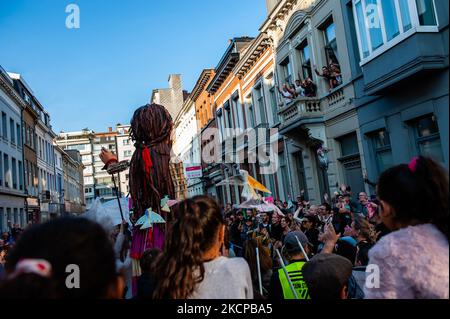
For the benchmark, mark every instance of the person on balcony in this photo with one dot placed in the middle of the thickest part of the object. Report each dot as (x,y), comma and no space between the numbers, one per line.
(299,90)
(286,93)
(309,87)
(336,72)
(327,74)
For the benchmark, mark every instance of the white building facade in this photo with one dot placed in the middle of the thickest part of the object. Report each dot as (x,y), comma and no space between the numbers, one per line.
(46,166)
(187,146)
(82,141)
(125,150)
(12,189)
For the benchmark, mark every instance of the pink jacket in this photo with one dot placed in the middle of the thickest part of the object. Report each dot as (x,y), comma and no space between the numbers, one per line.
(413,264)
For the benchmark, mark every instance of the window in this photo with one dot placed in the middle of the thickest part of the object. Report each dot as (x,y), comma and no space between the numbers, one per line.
(284,174)
(21,181)
(349,145)
(428,139)
(221,123)
(27,98)
(16,216)
(127,153)
(19,134)
(286,68)
(405,16)
(260,105)
(6,169)
(11,131)
(8,215)
(300,173)
(426,12)
(23,217)
(331,51)
(229,119)
(1,169)
(305,60)
(4,127)
(364,45)
(237,111)
(379,22)
(41,146)
(381,144)
(391,22)
(273,104)
(2,223)
(77,147)
(14,173)
(251,113)
(126,142)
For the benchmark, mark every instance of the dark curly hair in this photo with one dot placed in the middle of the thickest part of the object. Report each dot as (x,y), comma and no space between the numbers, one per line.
(180,268)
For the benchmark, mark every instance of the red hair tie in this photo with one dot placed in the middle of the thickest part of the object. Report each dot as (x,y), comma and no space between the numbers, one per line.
(413,165)
(146,157)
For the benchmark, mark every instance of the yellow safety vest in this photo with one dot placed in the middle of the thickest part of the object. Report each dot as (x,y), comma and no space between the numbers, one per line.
(295,274)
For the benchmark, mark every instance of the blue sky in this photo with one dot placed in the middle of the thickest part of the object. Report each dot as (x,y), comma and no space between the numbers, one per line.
(97,75)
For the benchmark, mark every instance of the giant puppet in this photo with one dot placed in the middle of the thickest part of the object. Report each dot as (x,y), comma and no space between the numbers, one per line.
(150,179)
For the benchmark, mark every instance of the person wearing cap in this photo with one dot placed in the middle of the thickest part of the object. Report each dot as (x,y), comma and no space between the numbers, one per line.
(279,286)
(327,276)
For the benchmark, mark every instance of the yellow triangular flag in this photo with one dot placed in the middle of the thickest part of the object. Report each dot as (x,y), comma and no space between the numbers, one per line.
(257,185)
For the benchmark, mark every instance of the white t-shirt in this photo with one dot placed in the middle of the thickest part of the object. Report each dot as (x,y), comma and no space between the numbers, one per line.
(287,97)
(299,90)
(225,278)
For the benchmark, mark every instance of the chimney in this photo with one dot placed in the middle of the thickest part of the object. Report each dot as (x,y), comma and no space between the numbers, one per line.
(175,82)
(110,129)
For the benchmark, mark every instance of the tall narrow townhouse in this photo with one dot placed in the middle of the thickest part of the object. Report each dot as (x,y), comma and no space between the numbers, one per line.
(12,187)
(224,88)
(256,70)
(206,124)
(29,121)
(323,141)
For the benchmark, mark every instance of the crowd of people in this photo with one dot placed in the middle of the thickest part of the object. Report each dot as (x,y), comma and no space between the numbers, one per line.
(319,250)
(307,88)
(356,222)
(7,241)
(296,250)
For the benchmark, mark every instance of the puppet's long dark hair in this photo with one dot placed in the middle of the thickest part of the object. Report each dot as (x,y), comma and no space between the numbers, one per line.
(151,128)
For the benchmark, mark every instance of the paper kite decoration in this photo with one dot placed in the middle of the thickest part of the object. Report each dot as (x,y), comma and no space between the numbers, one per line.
(148,219)
(248,183)
(165,204)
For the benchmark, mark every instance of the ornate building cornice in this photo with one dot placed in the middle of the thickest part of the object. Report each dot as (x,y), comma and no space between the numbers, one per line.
(10,91)
(252,55)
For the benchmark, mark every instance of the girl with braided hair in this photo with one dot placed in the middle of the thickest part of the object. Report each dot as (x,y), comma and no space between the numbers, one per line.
(191,265)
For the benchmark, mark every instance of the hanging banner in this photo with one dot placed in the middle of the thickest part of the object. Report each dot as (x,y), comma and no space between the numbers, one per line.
(194,172)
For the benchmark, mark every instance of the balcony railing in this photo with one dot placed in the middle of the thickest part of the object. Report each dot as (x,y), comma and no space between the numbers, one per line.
(300,109)
(335,98)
